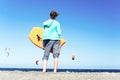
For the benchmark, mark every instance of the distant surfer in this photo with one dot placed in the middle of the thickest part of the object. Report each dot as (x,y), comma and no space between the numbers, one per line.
(51,40)
(38,37)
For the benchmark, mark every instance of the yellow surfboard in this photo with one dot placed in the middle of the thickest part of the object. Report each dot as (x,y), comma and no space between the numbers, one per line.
(35,37)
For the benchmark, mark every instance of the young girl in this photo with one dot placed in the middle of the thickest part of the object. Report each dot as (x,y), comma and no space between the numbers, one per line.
(51,40)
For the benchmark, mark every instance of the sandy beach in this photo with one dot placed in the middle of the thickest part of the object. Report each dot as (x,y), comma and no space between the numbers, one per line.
(36,75)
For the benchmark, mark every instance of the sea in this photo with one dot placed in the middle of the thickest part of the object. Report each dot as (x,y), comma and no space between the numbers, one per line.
(61,70)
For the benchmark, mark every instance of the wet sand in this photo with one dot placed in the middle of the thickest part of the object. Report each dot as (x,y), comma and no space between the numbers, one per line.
(36,75)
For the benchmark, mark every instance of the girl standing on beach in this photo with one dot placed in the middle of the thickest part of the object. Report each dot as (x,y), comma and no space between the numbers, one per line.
(51,40)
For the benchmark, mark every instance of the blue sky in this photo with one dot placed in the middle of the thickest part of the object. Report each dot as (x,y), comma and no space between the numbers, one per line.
(90,27)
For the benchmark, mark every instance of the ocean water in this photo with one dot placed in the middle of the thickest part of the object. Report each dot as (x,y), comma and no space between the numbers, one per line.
(61,70)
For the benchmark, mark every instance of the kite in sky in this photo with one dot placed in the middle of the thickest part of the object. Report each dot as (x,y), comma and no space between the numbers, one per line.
(37,62)
(7,50)
(73,56)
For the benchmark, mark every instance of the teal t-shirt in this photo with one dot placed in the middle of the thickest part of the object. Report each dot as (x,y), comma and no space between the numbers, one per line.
(51,30)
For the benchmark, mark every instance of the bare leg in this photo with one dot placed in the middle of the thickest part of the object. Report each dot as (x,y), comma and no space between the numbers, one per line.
(55,64)
(44,65)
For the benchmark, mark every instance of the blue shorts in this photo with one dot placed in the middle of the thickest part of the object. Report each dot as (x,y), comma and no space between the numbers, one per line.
(49,45)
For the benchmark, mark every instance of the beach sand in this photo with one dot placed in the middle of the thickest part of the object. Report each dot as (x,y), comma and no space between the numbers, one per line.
(36,75)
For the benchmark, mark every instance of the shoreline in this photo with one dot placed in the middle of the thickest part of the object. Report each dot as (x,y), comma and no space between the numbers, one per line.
(61,70)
